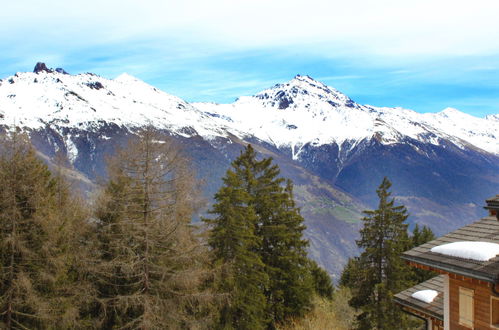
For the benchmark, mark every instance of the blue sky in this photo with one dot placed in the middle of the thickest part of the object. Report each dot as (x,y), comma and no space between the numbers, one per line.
(423,55)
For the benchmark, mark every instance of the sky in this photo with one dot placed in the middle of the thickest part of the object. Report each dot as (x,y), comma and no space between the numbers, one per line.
(422,55)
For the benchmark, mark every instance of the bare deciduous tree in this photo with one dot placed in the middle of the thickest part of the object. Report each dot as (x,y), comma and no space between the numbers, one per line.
(150,265)
(39,220)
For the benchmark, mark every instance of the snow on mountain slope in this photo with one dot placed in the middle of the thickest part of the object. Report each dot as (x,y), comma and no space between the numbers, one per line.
(481,132)
(493,117)
(85,100)
(306,111)
(299,112)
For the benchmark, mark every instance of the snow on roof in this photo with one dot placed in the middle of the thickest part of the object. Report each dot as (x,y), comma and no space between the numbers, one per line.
(480,251)
(425,295)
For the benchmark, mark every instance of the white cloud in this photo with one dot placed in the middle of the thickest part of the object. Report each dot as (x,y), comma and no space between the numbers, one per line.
(382,27)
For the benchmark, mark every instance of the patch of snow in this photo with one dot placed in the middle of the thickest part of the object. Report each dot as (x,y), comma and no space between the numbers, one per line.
(492,117)
(71,149)
(480,251)
(426,296)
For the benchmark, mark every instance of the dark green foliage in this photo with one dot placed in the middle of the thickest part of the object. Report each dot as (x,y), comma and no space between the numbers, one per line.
(419,237)
(350,273)
(379,272)
(256,218)
(322,281)
(235,246)
(283,248)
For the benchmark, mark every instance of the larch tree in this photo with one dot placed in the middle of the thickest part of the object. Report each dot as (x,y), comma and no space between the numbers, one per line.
(74,295)
(38,277)
(379,272)
(150,264)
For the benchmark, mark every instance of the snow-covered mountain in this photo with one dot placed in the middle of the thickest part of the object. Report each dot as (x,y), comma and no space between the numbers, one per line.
(443,165)
(35,100)
(300,112)
(304,111)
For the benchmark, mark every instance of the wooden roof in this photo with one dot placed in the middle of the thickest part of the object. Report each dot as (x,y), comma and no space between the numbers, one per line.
(493,203)
(434,309)
(484,230)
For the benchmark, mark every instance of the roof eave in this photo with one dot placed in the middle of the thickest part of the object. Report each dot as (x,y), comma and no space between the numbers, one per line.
(418,308)
(451,268)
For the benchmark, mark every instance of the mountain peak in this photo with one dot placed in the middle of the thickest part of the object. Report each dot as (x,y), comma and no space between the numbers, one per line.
(309,87)
(306,78)
(309,82)
(41,67)
(448,112)
(125,77)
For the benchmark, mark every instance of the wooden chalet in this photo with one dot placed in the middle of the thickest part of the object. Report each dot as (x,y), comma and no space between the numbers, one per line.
(467,291)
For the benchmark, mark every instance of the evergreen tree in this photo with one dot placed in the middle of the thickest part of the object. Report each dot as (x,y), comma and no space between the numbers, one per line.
(419,237)
(350,273)
(236,245)
(257,217)
(322,281)
(379,272)
(39,221)
(150,264)
(283,248)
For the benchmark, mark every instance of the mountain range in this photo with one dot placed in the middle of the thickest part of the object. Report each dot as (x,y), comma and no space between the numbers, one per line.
(442,165)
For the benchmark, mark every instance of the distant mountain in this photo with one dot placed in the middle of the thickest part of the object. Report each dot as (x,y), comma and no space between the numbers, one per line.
(307,112)
(336,151)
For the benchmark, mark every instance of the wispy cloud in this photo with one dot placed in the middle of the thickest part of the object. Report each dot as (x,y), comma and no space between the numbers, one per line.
(382,52)
(383,27)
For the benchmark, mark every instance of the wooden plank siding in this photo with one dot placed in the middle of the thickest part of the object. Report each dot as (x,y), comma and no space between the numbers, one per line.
(481,302)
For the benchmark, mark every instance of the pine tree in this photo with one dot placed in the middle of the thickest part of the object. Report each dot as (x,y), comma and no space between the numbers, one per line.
(38,221)
(283,248)
(150,264)
(379,272)
(419,237)
(257,216)
(322,281)
(236,245)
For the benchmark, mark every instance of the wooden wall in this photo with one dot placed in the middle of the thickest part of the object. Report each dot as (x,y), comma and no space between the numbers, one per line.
(481,298)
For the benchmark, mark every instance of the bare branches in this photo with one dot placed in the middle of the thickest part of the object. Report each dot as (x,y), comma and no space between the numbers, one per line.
(151,264)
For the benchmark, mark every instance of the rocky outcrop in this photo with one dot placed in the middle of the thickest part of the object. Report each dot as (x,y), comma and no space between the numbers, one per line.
(41,67)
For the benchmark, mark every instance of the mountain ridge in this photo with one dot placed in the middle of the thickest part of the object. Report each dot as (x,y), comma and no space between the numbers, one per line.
(306,101)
